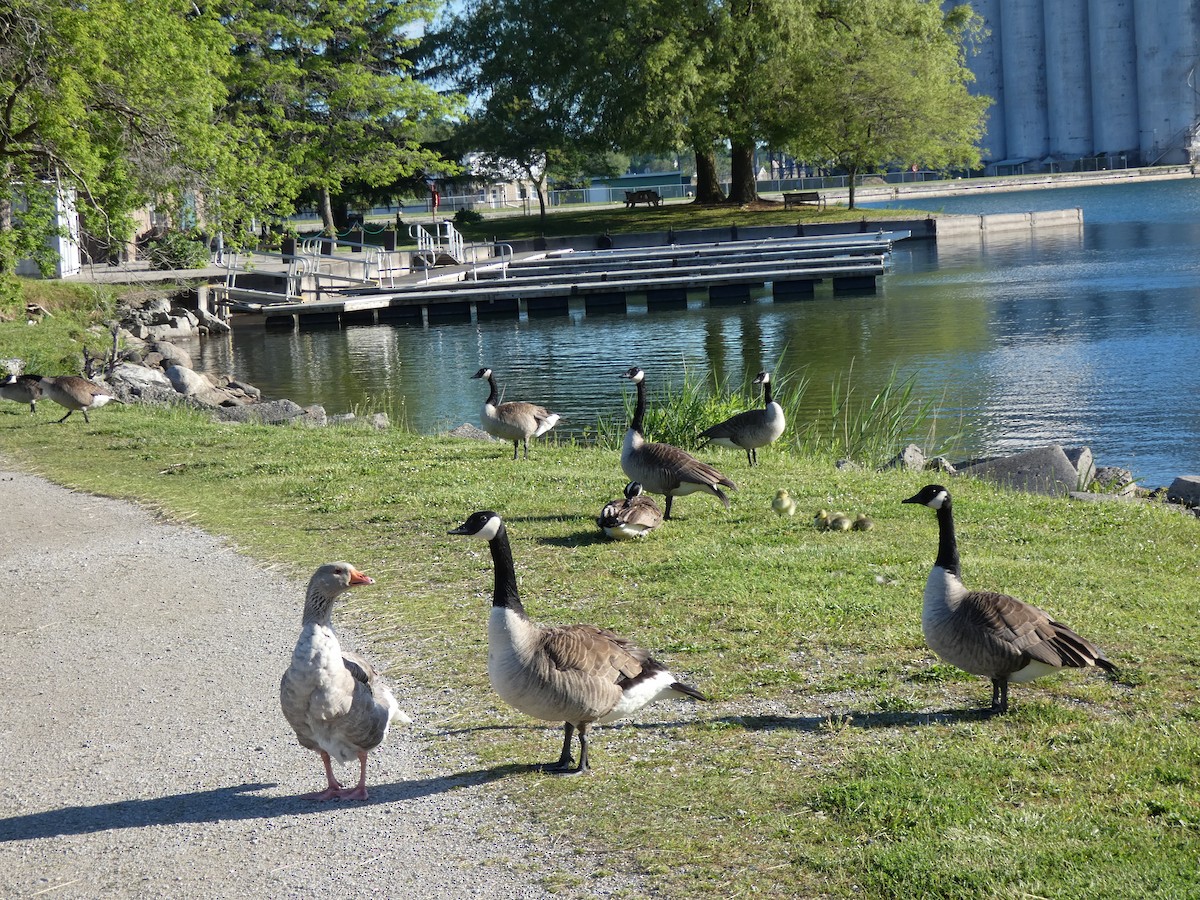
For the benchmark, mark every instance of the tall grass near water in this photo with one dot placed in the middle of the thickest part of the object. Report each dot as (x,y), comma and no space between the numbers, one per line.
(867,429)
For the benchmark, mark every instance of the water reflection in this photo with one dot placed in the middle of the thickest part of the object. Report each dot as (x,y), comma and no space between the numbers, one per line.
(1080,337)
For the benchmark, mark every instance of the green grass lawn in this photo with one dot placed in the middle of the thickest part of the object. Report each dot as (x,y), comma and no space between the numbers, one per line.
(837,758)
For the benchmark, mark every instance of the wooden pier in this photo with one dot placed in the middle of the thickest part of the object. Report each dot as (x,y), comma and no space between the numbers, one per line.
(600,281)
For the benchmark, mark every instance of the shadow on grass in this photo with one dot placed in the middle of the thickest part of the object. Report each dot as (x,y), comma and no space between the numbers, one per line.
(234,803)
(852,719)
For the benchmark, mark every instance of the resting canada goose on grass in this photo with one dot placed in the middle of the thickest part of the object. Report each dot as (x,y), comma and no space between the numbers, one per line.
(634,515)
(663,468)
(574,674)
(863,522)
(986,633)
(75,393)
(753,428)
(333,698)
(22,389)
(514,421)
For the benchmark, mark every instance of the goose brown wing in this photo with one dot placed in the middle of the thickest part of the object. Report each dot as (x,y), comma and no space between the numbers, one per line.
(1028,633)
(735,425)
(642,511)
(678,466)
(595,652)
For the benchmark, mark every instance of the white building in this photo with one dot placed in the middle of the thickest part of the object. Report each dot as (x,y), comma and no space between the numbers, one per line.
(1074,79)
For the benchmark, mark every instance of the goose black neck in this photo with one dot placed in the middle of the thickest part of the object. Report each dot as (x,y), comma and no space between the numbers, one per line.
(639,411)
(506,574)
(492,396)
(766,393)
(947,556)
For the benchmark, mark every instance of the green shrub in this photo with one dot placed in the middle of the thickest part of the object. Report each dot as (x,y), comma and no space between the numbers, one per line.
(177,250)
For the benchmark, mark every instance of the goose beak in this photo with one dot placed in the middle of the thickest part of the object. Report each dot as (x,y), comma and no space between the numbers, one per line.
(461,529)
(913,499)
(357,577)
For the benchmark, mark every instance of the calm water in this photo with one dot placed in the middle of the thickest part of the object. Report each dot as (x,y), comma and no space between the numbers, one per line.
(1082,338)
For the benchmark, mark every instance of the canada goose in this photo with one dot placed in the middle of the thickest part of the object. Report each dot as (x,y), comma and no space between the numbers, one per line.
(753,428)
(334,699)
(783,504)
(986,633)
(574,674)
(863,522)
(633,516)
(75,393)
(22,389)
(663,468)
(514,421)
(821,519)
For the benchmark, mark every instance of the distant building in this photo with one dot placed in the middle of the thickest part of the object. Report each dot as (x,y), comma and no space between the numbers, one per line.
(63,240)
(1088,83)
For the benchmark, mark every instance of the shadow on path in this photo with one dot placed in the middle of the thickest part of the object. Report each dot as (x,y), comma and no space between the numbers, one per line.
(227,804)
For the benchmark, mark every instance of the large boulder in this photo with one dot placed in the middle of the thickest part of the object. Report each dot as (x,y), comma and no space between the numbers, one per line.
(1046,470)
(172,354)
(1185,489)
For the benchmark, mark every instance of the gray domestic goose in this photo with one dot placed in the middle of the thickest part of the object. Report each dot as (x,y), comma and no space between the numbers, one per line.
(574,674)
(753,428)
(663,468)
(334,699)
(22,389)
(75,393)
(515,420)
(633,516)
(990,634)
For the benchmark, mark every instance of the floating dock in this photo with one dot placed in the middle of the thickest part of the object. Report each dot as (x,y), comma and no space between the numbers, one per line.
(547,283)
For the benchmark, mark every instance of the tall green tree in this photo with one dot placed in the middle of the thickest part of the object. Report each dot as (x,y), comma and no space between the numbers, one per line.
(885,84)
(111,99)
(329,84)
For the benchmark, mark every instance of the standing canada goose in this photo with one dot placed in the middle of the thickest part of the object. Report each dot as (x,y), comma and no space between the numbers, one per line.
(783,504)
(663,468)
(76,393)
(574,674)
(633,516)
(514,421)
(22,389)
(753,428)
(986,633)
(333,698)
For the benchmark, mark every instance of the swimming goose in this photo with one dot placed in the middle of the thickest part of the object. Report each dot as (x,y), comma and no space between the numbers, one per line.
(574,674)
(334,699)
(783,504)
(22,389)
(663,468)
(514,421)
(753,428)
(633,516)
(76,393)
(986,633)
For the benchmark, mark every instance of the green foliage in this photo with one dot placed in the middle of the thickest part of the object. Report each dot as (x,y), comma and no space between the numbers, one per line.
(177,250)
(885,84)
(54,345)
(465,218)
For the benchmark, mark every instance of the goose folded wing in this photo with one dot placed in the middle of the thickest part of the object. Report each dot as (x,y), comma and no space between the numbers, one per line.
(595,652)
(1032,633)
(677,466)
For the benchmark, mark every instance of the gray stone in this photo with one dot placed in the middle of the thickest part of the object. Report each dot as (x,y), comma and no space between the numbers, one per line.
(171,331)
(242,387)
(187,382)
(941,464)
(1081,459)
(178,312)
(269,412)
(911,458)
(1115,480)
(1045,470)
(380,421)
(1185,489)
(172,355)
(467,430)
(138,376)
(315,415)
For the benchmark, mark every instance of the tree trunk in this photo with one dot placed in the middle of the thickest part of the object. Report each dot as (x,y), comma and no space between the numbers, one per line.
(743,185)
(852,175)
(327,223)
(708,189)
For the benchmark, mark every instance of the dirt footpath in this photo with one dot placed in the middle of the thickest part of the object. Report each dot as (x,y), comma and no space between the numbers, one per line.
(143,752)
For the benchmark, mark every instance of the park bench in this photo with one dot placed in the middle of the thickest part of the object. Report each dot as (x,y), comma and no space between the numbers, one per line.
(795,198)
(650,198)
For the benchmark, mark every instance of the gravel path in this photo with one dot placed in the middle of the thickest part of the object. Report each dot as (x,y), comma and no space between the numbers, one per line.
(143,752)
